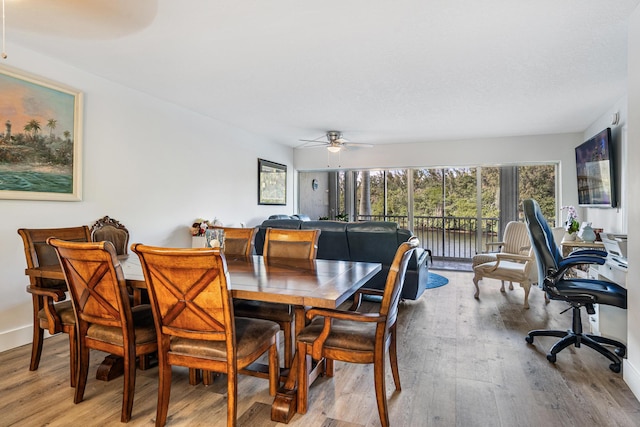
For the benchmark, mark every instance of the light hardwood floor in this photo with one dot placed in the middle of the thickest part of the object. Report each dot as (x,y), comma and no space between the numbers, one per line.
(463,362)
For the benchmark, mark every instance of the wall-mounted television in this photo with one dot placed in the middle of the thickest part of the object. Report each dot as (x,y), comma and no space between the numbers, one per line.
(595,171)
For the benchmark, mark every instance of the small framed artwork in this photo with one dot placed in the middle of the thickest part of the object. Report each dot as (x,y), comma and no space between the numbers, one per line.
(272,183)
(40,138)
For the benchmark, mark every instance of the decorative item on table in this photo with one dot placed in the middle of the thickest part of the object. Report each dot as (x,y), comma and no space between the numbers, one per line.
(215,238)
(198,229)
(571,225)
(586,233)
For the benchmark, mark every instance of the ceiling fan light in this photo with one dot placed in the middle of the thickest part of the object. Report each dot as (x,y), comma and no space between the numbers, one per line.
(334,148)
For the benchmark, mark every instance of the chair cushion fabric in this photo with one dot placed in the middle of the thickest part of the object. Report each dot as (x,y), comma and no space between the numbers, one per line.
(344,334)
(602,291)
(250,335)
(144,328)
(64,310)
(263,310)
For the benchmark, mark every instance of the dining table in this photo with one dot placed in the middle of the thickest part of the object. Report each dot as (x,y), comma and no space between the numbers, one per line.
(301,283)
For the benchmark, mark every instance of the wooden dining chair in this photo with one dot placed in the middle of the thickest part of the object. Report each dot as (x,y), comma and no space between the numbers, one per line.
(105,320)
(281,243)
(356,337)
(111,230)
(238,241)
(195,322)
(51,310)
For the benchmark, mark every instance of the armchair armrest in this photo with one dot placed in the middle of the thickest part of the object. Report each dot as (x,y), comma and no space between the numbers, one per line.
(513,257)
(49,296)
(329,315)
(56,295)
(357,296)
(490,245)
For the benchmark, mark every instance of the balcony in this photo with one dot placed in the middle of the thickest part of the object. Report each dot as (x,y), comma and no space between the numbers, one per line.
(453,241)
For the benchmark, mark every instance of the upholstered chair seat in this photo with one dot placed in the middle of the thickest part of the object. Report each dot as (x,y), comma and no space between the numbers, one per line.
(344,335)
(248,334)
(144,329)
(65,312)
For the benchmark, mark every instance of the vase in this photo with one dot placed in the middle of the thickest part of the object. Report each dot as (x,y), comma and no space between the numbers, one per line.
(198,242)
(569,237)
(587,234)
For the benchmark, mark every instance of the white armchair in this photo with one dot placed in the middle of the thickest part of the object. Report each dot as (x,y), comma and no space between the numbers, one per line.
(515,262)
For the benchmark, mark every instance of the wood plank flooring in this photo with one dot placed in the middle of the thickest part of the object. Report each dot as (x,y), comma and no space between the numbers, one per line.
(463,362)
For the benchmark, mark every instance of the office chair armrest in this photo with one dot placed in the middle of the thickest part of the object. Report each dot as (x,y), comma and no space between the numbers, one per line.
(572,260)
(597,252)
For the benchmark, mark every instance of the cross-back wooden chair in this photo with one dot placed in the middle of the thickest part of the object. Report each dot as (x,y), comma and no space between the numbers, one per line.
(238,241)
(51,310)
(282,243)
(105,320)
(111,230)
(195,322)
(356,337)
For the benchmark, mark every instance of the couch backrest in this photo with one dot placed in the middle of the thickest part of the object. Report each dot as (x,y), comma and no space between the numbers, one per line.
(372,241)
(333,243)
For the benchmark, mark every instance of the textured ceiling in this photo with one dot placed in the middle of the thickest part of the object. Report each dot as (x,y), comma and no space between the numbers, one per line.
(380,71)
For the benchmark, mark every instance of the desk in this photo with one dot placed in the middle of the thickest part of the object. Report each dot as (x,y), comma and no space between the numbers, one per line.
(570,246)
(300,283)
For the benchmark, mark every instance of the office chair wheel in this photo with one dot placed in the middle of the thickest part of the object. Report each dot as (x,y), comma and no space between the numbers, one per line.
(529,339)
(551,358)
(615,367)
(620,351)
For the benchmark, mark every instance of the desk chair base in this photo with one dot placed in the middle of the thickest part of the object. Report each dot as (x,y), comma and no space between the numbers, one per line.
(576,337)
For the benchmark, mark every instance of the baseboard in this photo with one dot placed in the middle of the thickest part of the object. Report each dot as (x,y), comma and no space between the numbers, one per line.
(631,376)
(16,338)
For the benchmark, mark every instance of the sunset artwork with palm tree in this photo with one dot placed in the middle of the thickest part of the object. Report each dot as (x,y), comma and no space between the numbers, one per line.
(38,139)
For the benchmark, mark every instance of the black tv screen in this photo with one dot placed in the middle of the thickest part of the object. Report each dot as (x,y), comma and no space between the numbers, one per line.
(594,165)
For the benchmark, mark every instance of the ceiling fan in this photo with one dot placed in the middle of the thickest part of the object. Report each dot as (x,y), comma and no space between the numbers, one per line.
(334,143)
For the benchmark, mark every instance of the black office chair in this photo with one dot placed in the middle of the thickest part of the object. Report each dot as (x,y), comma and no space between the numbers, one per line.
(577,292)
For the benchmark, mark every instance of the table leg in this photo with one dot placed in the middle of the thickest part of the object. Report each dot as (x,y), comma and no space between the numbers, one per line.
(285,403)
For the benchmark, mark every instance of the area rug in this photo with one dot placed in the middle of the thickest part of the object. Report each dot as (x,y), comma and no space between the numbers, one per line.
(436,280)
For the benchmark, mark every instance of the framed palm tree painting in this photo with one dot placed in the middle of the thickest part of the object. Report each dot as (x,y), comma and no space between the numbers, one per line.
(40,138)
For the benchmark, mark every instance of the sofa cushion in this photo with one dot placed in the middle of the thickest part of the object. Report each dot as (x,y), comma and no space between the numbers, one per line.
(372,241)
(332,243)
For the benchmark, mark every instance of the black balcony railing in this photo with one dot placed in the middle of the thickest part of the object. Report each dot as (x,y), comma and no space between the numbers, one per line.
(448,238)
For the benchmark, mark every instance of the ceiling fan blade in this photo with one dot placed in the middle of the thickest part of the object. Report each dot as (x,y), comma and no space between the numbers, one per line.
(357,145)
(312,144)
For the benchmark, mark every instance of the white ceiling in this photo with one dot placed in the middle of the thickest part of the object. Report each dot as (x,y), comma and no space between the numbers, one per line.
(381,71)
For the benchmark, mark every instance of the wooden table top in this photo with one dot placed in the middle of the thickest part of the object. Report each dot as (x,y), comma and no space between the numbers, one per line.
(316,283)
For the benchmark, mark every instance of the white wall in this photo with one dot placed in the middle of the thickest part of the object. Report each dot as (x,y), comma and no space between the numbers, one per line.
(631,368)
(154,166)
(498,151)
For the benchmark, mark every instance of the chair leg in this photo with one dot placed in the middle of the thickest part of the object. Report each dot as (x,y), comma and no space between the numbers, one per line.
(527,289)
(232,394)
(129,384)
(393,358)
(502,286)
(303,377)
(381,397)
(164,391)
(82,372)
(475,282)
(194,376)
(73,356)
(36,344)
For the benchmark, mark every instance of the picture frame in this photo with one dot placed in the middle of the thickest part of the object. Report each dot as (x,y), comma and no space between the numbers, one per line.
(272,183)
(40,138)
